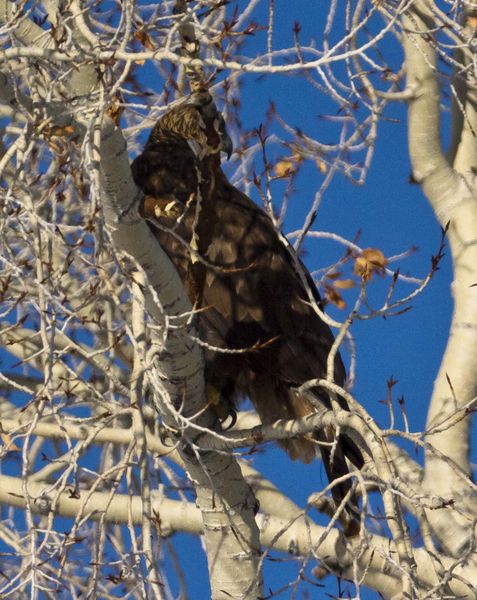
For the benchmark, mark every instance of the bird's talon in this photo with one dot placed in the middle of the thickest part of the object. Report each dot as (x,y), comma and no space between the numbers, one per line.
(173,209)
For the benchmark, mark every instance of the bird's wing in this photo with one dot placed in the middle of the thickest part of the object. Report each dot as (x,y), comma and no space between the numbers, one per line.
(252,297)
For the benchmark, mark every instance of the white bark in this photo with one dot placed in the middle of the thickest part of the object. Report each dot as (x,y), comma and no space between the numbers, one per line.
(295,533)
(454,200)
(226,502)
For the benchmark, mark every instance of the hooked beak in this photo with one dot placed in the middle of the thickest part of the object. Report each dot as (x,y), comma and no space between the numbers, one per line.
(225,141)
(226,144)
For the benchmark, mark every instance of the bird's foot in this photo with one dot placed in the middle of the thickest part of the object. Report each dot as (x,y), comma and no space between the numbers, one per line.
(166,207)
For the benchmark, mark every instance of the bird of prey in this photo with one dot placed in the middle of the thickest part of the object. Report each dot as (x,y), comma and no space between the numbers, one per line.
(254,296)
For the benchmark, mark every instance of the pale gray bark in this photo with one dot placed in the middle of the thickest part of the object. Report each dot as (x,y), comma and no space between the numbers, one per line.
(224,498)
(293,532)
(452,194)
(226,501)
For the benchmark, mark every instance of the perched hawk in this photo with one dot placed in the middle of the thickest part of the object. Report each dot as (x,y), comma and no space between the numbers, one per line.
(238,271)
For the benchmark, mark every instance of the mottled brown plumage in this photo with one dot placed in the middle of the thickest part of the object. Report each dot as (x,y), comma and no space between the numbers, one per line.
(242,276)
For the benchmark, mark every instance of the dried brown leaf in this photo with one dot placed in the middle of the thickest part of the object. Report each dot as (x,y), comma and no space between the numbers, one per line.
(285,168)
(10,445)
(369,262)
(344,284)
(322,166)
(472,21)
(144,39)
(333,296)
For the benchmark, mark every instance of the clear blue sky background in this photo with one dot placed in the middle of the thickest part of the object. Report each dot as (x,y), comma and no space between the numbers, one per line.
(392,215)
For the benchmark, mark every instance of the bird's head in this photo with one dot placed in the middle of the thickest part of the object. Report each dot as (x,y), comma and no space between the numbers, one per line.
(199,123)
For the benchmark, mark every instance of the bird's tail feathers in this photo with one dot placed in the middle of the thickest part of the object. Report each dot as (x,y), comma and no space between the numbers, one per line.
(336,455)
(334,452)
